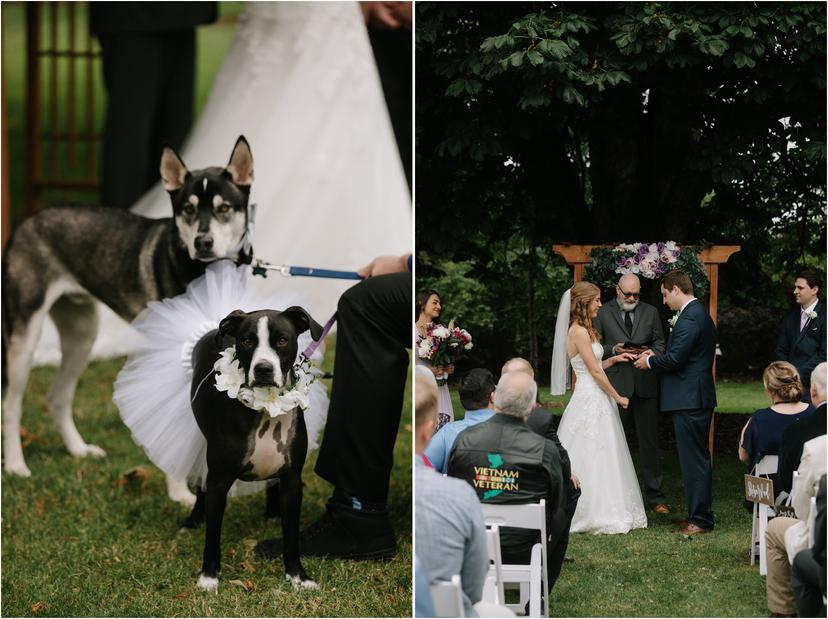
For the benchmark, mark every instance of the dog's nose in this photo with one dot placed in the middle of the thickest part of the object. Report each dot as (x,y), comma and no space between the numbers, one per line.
(263,372)
(204,242)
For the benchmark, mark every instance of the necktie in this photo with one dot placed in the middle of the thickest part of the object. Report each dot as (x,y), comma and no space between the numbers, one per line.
(803,318)
(628,322)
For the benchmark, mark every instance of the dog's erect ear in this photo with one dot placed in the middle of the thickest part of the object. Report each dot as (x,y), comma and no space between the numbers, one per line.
(173,170)
(229,324)
(303,321)
(240,166)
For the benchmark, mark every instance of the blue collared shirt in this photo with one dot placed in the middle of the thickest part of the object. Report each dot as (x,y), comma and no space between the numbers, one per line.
(439,448)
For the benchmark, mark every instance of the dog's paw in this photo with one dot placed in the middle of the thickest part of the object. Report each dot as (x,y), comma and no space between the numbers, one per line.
(297,582)
(19,468)
(207,583)
(87,450)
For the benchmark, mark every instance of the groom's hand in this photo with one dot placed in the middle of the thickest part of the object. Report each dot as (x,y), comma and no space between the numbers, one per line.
(641,362)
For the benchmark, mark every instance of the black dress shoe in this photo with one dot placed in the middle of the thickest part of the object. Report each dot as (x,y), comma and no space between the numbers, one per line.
(342,532)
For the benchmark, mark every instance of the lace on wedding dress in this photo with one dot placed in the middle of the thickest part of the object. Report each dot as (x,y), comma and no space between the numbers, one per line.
(593,436)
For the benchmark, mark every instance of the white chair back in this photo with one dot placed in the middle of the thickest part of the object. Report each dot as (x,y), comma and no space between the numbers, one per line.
(527,516)
(493,587)
(811,522)
(761,513)
(447,597)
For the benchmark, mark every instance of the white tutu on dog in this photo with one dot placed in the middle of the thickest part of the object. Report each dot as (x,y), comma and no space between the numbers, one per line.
(152,391)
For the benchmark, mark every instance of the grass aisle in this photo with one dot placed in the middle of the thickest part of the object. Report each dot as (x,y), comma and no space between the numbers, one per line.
(76,543)
(655,572)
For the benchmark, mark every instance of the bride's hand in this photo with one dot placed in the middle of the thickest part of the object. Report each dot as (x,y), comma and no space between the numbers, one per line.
(625,357)
(623,402)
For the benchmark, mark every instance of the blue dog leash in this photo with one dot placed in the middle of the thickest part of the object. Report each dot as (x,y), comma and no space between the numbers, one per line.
(260,267)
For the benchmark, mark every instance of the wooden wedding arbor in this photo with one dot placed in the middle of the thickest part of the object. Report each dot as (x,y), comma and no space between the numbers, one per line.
(578,256)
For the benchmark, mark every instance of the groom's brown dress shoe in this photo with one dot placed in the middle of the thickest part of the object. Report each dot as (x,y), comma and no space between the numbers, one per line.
(662,509)
(693,529)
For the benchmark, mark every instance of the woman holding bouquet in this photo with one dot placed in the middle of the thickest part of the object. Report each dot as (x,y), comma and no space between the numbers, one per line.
(428,307)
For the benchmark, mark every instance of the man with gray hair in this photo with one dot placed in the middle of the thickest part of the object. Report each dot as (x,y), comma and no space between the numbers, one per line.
(630,325)
(507,463)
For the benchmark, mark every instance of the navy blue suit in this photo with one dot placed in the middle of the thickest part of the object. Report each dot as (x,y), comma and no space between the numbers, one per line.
(803,349)
(687,390)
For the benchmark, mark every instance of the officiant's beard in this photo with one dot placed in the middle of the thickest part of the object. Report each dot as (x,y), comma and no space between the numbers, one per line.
(628,307)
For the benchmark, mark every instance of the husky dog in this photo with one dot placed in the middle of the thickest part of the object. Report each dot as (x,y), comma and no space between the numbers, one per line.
(63,258)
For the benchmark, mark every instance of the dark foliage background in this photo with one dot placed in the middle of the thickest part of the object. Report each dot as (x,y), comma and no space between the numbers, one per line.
(540,123)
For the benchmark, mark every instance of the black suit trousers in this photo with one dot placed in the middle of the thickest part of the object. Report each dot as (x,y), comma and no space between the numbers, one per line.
(692,440)
(392,52)
(805,584)
(644,413)
(149,82)
(370,369)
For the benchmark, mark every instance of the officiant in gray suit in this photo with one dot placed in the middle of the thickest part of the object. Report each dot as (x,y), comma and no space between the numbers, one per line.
(629,325)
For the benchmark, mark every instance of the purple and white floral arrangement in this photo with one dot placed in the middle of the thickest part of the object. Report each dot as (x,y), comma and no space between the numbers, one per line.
(648,261)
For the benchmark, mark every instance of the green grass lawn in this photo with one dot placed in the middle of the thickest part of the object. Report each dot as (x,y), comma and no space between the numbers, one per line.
(77,543)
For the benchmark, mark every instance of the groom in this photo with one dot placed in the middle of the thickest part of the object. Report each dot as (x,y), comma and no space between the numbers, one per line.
(687,390)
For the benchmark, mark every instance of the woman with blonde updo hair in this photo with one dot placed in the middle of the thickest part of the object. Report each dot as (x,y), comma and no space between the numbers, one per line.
(590,429)
(763,431)
(583,295)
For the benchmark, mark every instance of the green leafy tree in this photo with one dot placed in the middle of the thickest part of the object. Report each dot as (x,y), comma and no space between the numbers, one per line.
(616,122)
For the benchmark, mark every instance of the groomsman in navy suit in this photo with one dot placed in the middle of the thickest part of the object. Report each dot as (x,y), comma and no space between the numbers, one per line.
(802,330)
(688,392)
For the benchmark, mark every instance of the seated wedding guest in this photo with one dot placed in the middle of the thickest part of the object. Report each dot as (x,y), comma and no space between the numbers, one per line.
(808,568)
(785,536)
(427,307)
(504,447)
(451,537)
(763,431)
(542,421)
(802,330)
(477,397)
(790,450)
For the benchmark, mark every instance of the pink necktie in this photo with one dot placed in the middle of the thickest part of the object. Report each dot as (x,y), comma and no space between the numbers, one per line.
(802,320)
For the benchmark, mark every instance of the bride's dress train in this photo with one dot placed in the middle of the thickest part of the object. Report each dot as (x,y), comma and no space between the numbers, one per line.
(300,82)
(592,434)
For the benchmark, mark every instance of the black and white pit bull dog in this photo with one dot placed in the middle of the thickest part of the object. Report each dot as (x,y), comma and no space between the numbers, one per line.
(246,444)
(63,258)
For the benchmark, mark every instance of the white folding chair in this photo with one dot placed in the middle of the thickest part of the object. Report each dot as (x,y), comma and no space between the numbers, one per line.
(761,512)
(493,587)
(811,522)
(447,597)
(532,578)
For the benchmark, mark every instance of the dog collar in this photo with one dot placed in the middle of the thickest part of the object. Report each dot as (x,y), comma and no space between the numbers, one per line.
(229,377)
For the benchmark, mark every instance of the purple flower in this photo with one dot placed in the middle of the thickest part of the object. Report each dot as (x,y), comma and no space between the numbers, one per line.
(661,247)
(621,261)
(643,250)
(638,257)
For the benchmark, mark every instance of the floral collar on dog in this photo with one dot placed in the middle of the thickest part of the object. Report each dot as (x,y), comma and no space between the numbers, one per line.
(271,400)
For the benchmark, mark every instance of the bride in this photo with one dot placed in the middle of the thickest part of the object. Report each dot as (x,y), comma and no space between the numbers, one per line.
(591,430)
(300,83)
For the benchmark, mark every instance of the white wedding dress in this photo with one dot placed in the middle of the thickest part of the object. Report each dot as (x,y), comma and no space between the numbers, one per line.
(300,83)
(592,434)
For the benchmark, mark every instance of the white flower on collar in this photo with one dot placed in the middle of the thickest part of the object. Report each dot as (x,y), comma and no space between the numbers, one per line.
(672,321)
(230,378)
(812,315)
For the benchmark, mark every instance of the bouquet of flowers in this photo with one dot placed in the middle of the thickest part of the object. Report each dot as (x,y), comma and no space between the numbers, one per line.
(444,345)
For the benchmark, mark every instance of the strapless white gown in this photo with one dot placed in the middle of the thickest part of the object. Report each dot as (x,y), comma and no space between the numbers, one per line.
(592,434)
(300,82)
